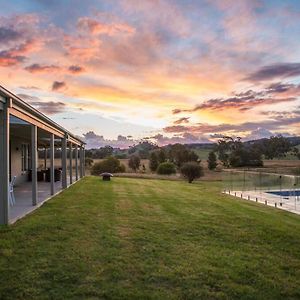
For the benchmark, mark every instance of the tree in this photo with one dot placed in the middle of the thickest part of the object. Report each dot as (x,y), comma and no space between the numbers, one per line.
(166,168)
(276,147)
(296,152)
(110,165)
(161,156)
(233,153)
(245,157)
(134,162)
(153,162)
(212,160)
(105,151)
(227,145)
(179,154)
(191,171)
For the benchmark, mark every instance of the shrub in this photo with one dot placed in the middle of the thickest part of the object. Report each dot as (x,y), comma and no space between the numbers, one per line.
(153,162)
(212,160)
(134,162)
(110,164)
(88,161)
(191,171)
(166,168)
(122,168)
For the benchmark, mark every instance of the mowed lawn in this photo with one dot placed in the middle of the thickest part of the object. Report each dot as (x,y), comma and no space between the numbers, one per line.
(150,239)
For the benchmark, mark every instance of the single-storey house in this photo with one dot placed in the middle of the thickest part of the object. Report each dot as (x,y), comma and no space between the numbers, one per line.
(38,157)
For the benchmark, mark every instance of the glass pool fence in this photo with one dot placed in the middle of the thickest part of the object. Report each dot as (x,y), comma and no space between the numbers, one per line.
(282,191)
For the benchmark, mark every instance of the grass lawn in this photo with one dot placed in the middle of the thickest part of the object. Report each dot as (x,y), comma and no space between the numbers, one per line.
(150,239)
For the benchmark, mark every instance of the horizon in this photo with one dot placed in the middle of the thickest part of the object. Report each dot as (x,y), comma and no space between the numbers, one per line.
(165,71)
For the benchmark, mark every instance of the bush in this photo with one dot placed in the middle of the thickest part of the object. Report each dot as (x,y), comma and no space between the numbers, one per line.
(122,168)
(212,160)
(153,162)
(110,164)
(191,171)
(166,168)
(88,161)
(134,162)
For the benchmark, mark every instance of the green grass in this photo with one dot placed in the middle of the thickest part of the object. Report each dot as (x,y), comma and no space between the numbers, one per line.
(150,239)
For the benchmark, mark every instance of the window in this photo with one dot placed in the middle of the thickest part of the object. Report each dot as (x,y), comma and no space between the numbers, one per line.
(25,157)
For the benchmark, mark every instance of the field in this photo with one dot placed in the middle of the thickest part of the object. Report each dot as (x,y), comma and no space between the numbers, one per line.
(150,239)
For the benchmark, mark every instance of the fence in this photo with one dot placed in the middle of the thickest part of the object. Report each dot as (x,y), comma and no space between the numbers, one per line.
(282,191)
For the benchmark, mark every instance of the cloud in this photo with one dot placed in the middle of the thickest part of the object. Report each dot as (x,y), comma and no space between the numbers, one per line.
(37,68)
(17,54)
(99,28)
(244,101)
(58,85)
(270,72)
(7,59)
(74,69)
(184,138)
(29,87)
(8,34)
(275,124)
(182,120)
(94,140)
(46,107)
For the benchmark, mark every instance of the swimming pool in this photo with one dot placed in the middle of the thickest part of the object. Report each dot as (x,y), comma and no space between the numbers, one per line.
(288,193)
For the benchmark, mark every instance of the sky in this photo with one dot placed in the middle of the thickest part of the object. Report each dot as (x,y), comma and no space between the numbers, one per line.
(190,71)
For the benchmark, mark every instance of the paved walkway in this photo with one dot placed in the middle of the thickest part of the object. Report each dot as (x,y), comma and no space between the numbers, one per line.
(23,195)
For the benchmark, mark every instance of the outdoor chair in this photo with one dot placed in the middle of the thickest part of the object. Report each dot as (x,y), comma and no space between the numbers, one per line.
(12,199)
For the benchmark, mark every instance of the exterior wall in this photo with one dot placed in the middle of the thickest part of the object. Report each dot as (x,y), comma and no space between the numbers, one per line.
(16,159)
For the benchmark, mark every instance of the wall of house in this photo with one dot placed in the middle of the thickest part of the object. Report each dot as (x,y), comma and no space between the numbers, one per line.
(16,160)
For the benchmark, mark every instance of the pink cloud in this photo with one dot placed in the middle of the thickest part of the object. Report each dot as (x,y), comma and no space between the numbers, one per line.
(98,28)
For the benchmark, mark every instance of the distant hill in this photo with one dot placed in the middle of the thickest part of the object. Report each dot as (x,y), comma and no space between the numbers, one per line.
(294,140)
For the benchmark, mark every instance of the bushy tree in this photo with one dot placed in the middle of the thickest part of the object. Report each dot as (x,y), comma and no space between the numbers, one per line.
(232,152)
(134,162)
(153,162)
(161,156)
(212,160)
(191,171)
(166,168)
(276,147)
(296,152)
(110,164)
(245,157)
(179,154)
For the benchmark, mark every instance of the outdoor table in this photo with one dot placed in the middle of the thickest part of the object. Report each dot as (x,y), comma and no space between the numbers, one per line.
(106,176)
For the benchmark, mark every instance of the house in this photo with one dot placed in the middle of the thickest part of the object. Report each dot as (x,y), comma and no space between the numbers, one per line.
(38,158)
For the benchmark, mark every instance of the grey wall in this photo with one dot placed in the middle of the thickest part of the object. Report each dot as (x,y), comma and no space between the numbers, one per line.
(16,160)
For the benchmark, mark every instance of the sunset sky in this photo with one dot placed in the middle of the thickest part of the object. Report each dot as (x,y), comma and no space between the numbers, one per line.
(171,71)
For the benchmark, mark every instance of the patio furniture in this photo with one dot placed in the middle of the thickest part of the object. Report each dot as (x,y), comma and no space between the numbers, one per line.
(12,199)
(57,175)
(40,175)
(106,176)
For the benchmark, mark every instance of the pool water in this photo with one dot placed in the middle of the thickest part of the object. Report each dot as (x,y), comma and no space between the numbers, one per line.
(288,193)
